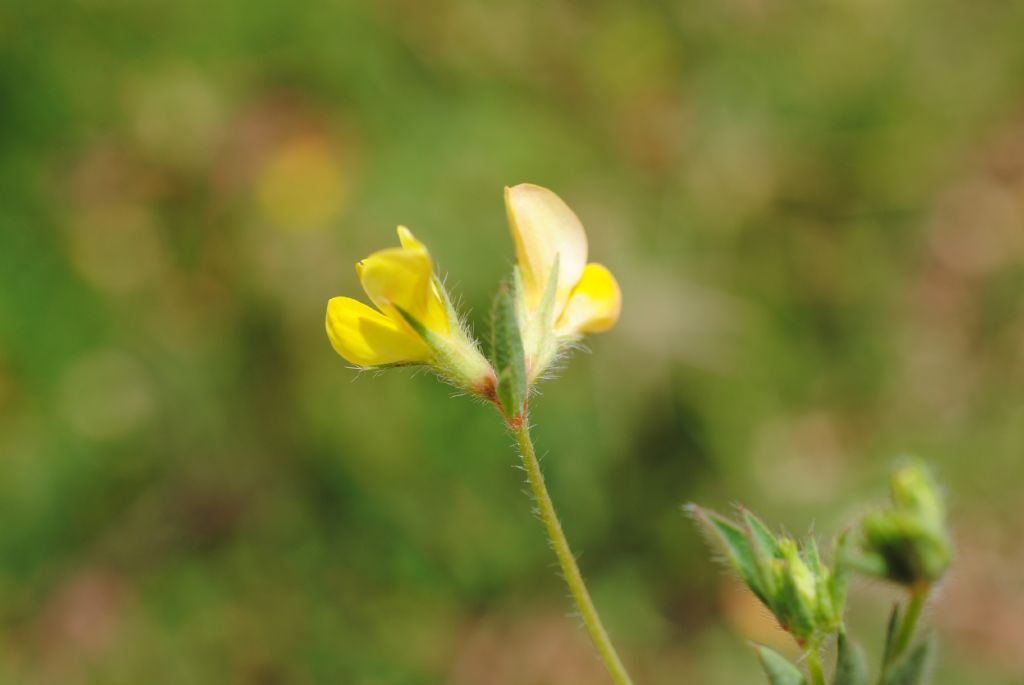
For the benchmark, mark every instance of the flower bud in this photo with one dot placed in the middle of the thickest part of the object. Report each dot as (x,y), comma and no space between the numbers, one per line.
(796,603)
(907,542)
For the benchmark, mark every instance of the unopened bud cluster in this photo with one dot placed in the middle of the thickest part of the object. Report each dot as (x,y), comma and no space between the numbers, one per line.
(790,578)
(907,541)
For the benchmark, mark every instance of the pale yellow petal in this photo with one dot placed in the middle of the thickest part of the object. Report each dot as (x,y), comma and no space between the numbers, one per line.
(401,277)
(366,337)
(594,304)
(544,228)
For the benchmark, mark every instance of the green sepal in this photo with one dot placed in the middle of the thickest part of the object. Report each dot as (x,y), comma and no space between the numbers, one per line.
(738,549)
(444,359)
(851,666)
(428,336)
(446,300)
(910,669)
(812,556)
(537,323)
(764,540)
(455,358)
(765,547)
(391,365)
(546,308)
(779,669)
(507,348)
(827,612)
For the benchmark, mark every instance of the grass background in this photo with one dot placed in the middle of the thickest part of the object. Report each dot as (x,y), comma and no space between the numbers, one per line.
(816,214)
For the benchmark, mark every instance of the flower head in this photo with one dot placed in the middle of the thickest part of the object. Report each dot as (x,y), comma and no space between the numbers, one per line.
(554,297)
(414,322)
(562,295)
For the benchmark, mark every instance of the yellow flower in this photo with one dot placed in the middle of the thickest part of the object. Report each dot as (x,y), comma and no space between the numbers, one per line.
(414,322)
(550,242)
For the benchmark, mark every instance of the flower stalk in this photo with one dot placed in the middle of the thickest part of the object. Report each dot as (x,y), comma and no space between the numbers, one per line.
(914,608)
(552,299)
(906,629)
(566,560)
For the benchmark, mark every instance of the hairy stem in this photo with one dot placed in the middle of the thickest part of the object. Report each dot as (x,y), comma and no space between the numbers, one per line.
(566,560)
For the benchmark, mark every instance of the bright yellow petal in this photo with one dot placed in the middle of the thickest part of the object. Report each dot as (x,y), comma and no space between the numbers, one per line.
(404,278)
(544,228)
(594,304)
(408,240)
(366,337)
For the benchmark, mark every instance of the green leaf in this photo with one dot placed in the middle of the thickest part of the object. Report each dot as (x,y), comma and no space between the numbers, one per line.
(890,634)
(838,575)
(779,669)
(507,347)
(910,669)
(851,666)
(868,564)
(737,547)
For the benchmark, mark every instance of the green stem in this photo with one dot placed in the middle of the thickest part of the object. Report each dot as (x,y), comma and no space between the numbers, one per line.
(918,597)
(814,665)
(566,560)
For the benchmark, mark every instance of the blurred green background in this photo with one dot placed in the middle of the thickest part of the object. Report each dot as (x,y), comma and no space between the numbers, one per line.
(816,214)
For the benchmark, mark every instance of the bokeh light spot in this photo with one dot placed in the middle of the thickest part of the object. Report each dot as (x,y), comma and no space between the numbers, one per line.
(302,186)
